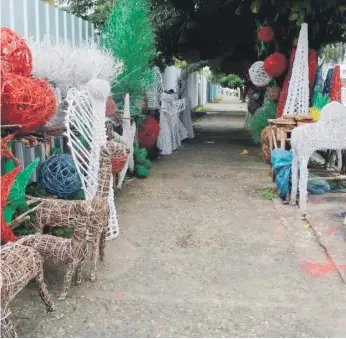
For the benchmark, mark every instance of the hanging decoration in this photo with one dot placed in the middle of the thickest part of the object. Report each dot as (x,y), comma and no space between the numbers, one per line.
(258,76)
(6,151)
(15,53)
(28,102)
(148,132)
(275,65)
(7,181)
(260,119)
(328,82)
(59,176)
(111,108)
(266,34)
(284,90)
(16,197)
(297,102)
(335,91)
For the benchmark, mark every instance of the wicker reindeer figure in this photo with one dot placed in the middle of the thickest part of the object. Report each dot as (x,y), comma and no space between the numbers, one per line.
(81,215)
(19,265)
(58,250)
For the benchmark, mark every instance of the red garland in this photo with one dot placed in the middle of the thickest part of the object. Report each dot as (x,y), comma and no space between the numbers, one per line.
(275,65)
(29,102)
(335,92)
(148,132)
(283,96)
(266,34)
(312,68)
(7,181)
(111,108)
(15,53)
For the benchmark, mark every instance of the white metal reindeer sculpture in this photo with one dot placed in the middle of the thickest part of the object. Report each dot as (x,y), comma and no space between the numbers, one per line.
(328,133)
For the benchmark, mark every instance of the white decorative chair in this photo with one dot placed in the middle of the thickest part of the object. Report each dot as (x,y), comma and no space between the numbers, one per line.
(172,130)
(155,91)
(327,133)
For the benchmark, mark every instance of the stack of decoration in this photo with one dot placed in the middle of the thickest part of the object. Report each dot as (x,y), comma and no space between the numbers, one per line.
(142,163)
(26,101)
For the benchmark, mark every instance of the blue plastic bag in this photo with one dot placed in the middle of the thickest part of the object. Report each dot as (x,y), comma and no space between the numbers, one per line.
(282,167)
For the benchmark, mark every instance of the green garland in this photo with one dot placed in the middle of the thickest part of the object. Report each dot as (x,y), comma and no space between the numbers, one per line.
(128,34)
(142,164)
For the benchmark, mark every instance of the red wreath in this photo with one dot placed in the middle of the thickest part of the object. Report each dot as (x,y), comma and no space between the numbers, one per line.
(29,102)
(335,91)
(283,96)
(15,53)
(111,108)
(148,132)
(7,181)
(275,65)
(266,34)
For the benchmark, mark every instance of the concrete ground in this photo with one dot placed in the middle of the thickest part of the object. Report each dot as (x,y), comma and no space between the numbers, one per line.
(202,253)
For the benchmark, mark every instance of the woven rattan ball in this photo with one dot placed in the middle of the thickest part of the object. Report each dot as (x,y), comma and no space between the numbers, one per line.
(59,176)
(258,76)
(15,53)
(274,93)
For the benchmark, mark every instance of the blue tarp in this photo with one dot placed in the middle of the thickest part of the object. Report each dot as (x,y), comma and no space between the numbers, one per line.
(282,167)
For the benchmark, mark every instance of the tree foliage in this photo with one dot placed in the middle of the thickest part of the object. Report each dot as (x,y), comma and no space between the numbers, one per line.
(225,31)
(227,80)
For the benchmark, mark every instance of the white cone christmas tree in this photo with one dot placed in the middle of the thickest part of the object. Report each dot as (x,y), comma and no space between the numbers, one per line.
(297,102)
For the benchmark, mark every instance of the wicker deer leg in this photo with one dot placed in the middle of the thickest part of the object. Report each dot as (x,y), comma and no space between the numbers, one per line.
(7,329)
(43,291)
(79,270)
(95,247)
(71,269)
(103,244)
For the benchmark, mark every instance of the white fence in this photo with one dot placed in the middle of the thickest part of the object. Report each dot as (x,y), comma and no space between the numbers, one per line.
(37,19)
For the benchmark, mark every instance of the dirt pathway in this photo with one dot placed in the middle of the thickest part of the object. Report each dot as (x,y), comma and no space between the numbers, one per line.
(201,253)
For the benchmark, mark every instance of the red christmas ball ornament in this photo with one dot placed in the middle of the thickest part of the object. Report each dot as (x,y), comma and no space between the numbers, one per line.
(29,102)
(266,34)
(111,108)
(275,65)
(15,53)
(335,91)
(148,132)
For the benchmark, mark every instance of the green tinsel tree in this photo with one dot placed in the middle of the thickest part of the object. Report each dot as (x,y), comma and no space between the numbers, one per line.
(260,119)
(128,34)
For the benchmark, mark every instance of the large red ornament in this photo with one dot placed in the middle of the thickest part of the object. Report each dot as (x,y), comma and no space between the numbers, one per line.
(275,65)
(335,92)
(29,102)
(148,132)
(266,34)
(283,95)
(312,69)
(111,108)
(7,181)
(15,53)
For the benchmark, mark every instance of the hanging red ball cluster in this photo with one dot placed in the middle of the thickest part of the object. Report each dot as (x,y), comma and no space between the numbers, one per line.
(266,34)
(148,132)
(15,53)
(111,108)
(29,102)
(275,65)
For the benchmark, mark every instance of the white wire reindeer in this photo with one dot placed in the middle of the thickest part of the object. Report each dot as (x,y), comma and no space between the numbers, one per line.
(86,133)
(328,133)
